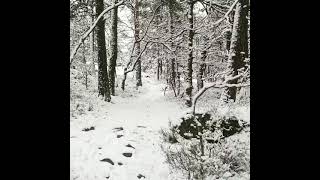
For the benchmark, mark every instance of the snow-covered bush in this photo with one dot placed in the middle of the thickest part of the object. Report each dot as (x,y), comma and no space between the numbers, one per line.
(82,99)
(208,146)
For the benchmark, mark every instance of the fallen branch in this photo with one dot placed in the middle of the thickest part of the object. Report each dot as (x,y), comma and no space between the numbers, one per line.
(81,40)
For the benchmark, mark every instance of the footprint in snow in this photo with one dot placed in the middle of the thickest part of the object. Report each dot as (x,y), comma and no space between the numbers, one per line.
(117,129)
(141,176)
(119,136)
(107,160)
(141,126)
(88,129)
(129,145)
(127,154)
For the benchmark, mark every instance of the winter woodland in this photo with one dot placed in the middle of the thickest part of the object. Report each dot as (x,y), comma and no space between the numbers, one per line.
(159,89)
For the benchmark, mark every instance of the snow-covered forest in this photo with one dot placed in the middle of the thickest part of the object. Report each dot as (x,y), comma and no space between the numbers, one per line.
(159,89)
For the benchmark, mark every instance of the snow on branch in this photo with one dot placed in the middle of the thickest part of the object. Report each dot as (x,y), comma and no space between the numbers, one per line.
(210,3)
(185,29)
(149,23)
(85,35)
(133,67)
(141,39)
(227,13)
(223,84)
(137,58)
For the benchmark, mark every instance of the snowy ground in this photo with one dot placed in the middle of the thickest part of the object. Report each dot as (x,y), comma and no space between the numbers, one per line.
(130,124)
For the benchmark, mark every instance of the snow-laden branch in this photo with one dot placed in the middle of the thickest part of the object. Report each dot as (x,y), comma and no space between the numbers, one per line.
(141,39)
(159,42)
(227,13)
(223,84)
(185,29)
(137,58)
(126,71)
(81,40)
(149,23)
(210,3)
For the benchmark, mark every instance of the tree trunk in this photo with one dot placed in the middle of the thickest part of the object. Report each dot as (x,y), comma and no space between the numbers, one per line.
(168,71)
(158,61)
(238,47)
(202,66)
(190,55)
(178,79)
(228,40)
(113,48)
(172,59)
(103,84)
(229,33)
(158,68)
(84,62)
(92,47)
(137,37)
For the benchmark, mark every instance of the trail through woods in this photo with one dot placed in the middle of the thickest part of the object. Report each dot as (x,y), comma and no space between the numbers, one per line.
(125,141)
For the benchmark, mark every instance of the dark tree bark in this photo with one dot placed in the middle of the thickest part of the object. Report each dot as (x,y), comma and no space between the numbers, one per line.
(92,46)
(137,37)
(202,65)
(113,48)
(160,61)
(86,34)
(103,84)
(190,54)
(228,40)
(229,33)
(178,79)
(172,59)
(158,67)
(167,71)
(84,62)
(238,47)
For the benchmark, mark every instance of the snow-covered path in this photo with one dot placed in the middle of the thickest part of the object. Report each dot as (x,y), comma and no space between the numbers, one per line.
(128,125)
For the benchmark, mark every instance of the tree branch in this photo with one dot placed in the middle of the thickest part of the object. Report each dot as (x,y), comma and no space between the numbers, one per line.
(81,40)
(227,13)
(134,64)
(223,84)
(154,14)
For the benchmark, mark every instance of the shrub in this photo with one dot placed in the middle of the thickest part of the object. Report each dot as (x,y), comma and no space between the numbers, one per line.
(203,146)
